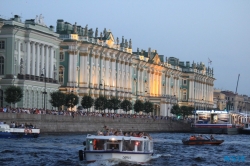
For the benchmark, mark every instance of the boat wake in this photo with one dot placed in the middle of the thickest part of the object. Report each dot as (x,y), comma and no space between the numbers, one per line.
(155,156)
(114,162)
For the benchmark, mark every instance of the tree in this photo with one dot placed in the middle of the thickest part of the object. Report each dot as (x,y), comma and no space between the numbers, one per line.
(176,110)
(13,94)
(148,107)
(71,100)
(116,103)
(138,106)
(109,105)
(87,102)
(126,105)
(57,99)
(101,103)
(186,110)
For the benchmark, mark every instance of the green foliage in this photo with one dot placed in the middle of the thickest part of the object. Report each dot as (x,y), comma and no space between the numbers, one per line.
(13,94)
(57,99)
(138,106)
(109,105)
(87,102)
(71,100)
(186,110)
(182,111)
(126,105)
(116,103)
(101,103)
(148,107)
(176,110)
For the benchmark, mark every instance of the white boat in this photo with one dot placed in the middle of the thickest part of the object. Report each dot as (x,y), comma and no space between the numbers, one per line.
(7,132)
(245,129)
(134,149)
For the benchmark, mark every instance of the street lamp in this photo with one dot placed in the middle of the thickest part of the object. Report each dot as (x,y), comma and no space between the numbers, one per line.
(103,86)
(44,92)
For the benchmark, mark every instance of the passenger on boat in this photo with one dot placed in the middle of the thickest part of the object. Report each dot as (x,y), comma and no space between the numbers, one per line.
(192,137)
(199,137)
(211,137)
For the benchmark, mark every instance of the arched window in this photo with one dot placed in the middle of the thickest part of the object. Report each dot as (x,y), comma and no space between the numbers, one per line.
(61,74)
(1,65)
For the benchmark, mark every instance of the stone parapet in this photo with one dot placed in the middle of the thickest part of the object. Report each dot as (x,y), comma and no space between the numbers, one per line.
(83,124)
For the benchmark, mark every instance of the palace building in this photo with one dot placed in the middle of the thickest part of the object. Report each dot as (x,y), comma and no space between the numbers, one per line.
(84,61)
(93,63)
(29,58)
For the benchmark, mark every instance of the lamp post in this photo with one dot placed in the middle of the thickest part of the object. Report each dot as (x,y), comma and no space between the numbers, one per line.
(44,92)
(103,86)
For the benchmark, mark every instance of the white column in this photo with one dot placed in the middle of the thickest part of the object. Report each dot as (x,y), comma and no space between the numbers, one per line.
(47,61)
(43,57)
(70,69)
(107,76)
(28,58)
(160,82)
(51,62)
(113,83)
(18,57)
(38,60)
(33,55)
(83,69)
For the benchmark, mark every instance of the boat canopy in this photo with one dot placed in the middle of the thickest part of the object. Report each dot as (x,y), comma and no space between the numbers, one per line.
(114,137)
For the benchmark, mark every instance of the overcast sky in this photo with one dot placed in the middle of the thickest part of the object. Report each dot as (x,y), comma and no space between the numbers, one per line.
(193,30)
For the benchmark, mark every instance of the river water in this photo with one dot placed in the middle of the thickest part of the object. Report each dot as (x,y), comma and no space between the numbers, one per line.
(55,150)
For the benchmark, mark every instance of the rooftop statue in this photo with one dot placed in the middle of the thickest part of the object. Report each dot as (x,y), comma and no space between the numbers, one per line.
(75,30)
(96,32)
(86,30)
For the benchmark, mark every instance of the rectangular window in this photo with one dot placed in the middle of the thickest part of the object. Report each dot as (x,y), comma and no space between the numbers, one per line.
(2,44)
(185,96)
(61,56)
(21,47)
(184,82)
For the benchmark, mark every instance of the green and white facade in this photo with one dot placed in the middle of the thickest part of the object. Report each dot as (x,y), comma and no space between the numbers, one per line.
(95,64)
(87,62)
(29,49)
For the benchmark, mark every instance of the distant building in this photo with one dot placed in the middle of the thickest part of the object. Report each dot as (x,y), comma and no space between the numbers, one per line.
(93,63)
(27,50)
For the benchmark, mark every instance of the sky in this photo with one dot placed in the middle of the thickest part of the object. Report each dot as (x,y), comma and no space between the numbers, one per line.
(194,30)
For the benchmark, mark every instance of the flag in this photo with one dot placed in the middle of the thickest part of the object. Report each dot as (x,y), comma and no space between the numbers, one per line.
(209,61)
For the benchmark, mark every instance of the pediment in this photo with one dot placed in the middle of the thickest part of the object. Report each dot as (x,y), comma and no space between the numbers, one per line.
(156,59)
(110,39)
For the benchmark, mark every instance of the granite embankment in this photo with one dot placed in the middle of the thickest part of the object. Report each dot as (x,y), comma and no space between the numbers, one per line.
(81,124)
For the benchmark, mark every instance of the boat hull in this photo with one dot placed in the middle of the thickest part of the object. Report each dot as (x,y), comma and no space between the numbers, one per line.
(18,135)
(202,142)
(244,131)
(91,156)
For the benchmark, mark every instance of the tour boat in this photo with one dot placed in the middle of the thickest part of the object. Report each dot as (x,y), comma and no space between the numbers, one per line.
(187,141)
(245,129)
(133,149)
(7,132)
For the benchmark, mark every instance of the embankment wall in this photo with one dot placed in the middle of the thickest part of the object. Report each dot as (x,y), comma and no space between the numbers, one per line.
(68,124)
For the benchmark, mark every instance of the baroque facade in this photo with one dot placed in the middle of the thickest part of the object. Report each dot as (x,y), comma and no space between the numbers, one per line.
(99,64)
(28,50)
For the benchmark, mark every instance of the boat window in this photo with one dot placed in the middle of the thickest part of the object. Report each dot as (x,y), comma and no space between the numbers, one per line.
(112,146)
(130,145)
(146,146)
(95,144)
(98,144)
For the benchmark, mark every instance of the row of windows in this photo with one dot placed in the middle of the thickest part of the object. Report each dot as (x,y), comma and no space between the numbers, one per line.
(2,44)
